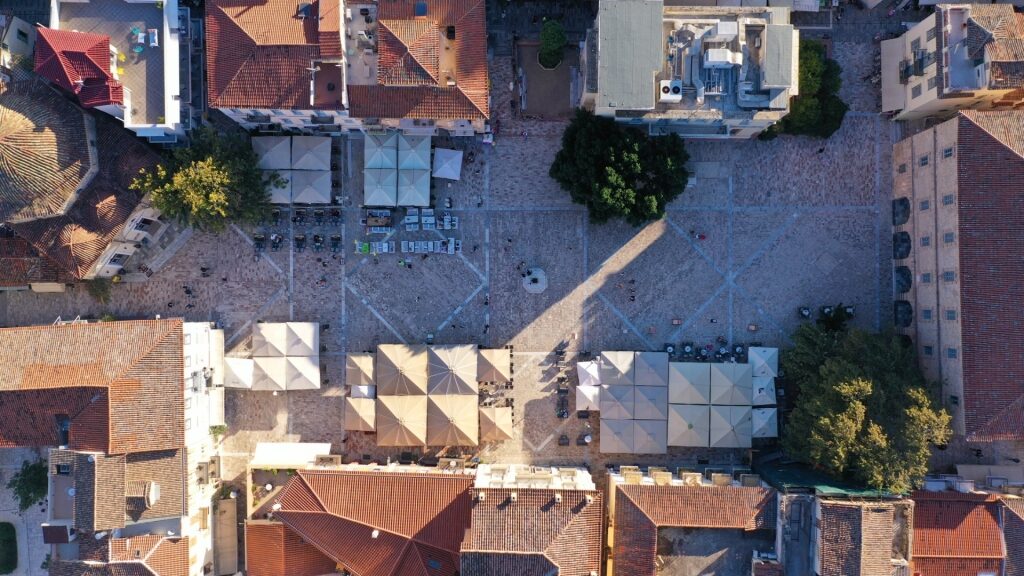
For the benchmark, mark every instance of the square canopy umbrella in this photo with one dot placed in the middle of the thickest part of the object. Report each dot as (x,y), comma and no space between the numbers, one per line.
(617,402)
(616,436)
(689,425)
(281,191)
(311,153)
(401,420)
(452,420)
(689,383)
(650,402)
(495,423)
(616,368)
(269,339)
(270,374)
(272,152)
(381,151)
(303,339)
(414,152)
(494,365)
(764,422)
(239,372)
(650,369)
(764,361)
(650,437)
(360,414)
(588,374)
(401,369)
(413,188)
(359,369)
(380,187)
(588,397)
(361,391)
(303,373)
(311,186)
(447,164)
(730,427)
(764,391)
(452,370)
(731,384)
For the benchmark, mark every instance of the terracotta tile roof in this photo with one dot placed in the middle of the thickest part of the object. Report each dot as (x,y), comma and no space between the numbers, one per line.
(44,155)
(157,555)
(856,538)
(419,519)
(166,469)
(535,534)
(991,215)
(410,81)
(641,509)
(955,533)
(79,63)
(21,264)
(1013,533)
(271,549)
(996,33)
(768,569)
(112,379)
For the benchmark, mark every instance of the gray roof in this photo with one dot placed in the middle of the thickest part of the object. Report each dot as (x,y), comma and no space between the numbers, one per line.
(778,55)
(630,53)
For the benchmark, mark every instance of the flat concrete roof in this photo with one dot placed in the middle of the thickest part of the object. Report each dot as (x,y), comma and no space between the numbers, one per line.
(778,55)
(630,53)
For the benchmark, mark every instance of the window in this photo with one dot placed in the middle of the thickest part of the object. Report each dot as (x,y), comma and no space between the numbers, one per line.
(948,200)
(951,353)
(947,152)
(915,91)
(951,315)
(119,259)
(915,44)
(931,82)
(927,350)
(948,276)
(926,240)
(926,314)
(146,225)
(924,205)
(22,35)
(926,278)
(902,169)
(923,161)
(64,469)
(948,237)
(931,34)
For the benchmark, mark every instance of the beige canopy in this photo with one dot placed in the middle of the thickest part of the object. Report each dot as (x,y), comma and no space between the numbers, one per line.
(650,369)
(689,383)
(588,397)
(401,369)
(452,369)
(401,420)
(452,420)
(494,365)
(360,414)
(616,436)
(311,153)
(303,339)
(617,402)
(650,437)
(689,425)
(269,339)
(495,423)
(764,361)
(270,374)
(587,374)
(272,152)
(731,384)
(616,368)
(650,402)
(359,369)
(302,373)
(730,427)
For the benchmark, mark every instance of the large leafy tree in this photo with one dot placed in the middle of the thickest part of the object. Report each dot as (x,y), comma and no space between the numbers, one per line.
(817,111)
(619,172)
(862,409)
(29,484)
(210,183)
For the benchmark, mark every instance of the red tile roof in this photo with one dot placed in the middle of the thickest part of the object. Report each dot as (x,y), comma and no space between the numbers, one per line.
(21,265)
(1013,533)
(271,549)
(379,524)
(856,538)
(991,216)
(956,534)
(641,509)
(112,379)
(534,535)
(79,63)
(146,555)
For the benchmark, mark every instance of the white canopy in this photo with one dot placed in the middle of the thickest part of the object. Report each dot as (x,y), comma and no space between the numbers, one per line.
(650,402)
(381,151)
(764,422)
(360,414)
(689,425)
(764,391)
(495,423)
(239,372)
(452,370)
(311,153)
(359,369)
(588,374)
(730,427)
(303,373)
(270,374)
(269,339)
(764,361)
(447,164)
(413,188)
(731,384)
(616,436)
(361,391)
(311,187)
(288,455)
(494,365)
(401,420)
(401,369)
(689,383)
(280,193)
(413,152)
(650,437)
(616,368)
(651,369)
(588,397)
(616,402)
(452,420)
(272,152)
(380,187)
(303,339)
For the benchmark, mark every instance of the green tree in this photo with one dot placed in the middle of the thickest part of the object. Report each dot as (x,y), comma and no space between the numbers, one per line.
(619,172)
(552,44)
(817,111)
(213,181)
(862,408)
(29,484)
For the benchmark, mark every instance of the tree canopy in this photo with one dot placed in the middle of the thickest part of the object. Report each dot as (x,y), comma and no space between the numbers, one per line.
(619,172)
(862,407)
(29,484)
(213,181)
(817,111)
(552,44)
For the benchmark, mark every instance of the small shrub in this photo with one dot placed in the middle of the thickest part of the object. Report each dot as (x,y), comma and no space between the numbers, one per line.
(99,289)
(218,430)
(552,44)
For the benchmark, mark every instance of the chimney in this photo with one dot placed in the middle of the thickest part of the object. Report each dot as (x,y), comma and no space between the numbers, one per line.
(145,493)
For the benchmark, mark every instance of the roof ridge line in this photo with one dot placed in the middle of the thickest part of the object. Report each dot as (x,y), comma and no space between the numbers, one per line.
(311,491)
(971,116)
(408,50)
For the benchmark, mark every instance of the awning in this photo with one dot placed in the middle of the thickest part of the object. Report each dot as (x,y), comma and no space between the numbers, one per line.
(650,437)
(764,391)
(452,370)
(359,369)
(731,384)
(413,188)
(689,383)
(588,374)
(650,369)
(269,339)
(616,436)
(381,151)
(616,402)
(588,397)
(270,374)
(303,373)
(360,414)
(616,368)
(689,425)
(311,187)
(414,153)
(764,422)
(401,420)
(764,361)
(311,153)
(239,372)
(448,164)
(650,402)
(272,152)
(280,193)
(286,455)
(401,369)
(380,187)
(494,365)
(303,339)
(730,427)
(495,423)
(452,420)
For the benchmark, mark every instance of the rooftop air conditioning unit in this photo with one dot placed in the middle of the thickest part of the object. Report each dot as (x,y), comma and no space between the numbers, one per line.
(666,94)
